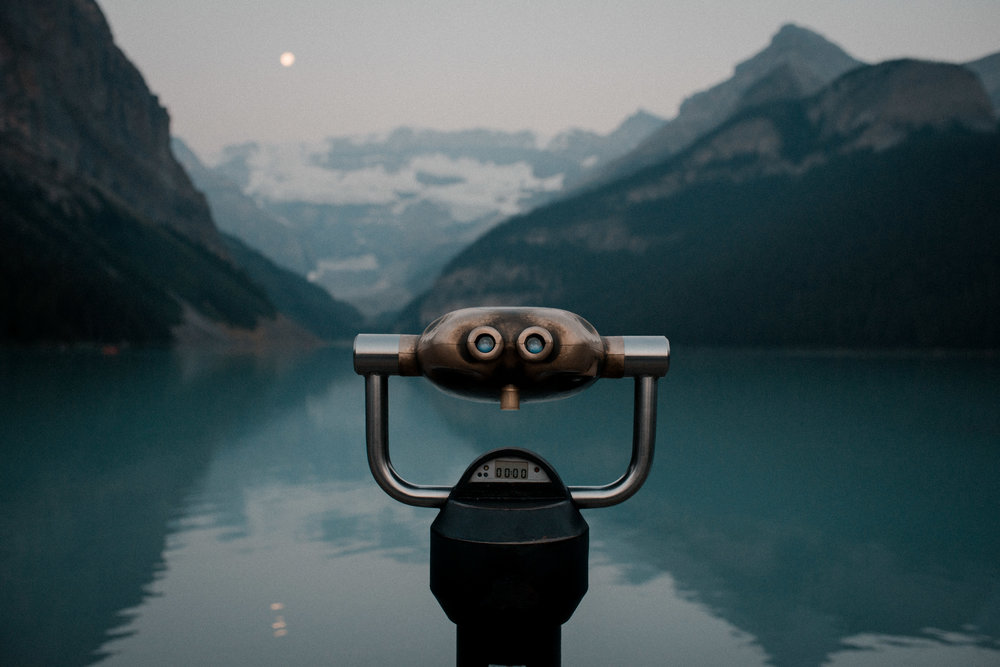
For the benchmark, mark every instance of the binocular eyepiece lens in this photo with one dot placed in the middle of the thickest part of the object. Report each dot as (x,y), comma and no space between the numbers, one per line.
(485,343)
(534,344)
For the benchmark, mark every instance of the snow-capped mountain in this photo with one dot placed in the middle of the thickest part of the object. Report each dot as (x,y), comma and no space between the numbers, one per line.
(466,187)
(375,218)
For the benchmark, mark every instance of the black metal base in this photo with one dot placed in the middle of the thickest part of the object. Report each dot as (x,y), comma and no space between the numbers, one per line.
(480,646)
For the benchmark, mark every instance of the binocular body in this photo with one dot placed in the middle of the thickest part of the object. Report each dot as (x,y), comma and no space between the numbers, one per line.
(510,355)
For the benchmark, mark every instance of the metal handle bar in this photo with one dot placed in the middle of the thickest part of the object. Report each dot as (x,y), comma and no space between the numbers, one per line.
(376,356)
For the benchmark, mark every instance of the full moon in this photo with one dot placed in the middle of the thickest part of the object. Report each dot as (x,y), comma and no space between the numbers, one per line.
(287,59)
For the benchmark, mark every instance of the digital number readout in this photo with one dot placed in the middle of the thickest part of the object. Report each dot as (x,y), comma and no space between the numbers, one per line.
(510,469)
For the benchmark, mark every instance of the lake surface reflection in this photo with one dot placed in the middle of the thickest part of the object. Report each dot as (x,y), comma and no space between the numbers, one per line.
(163,509)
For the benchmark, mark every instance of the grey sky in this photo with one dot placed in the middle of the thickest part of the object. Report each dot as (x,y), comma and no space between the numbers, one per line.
(371,65)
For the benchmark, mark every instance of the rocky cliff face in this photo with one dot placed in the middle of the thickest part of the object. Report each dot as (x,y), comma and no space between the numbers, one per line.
(877,107)
(809,58)
(103,238)
(874,107)
(71,100)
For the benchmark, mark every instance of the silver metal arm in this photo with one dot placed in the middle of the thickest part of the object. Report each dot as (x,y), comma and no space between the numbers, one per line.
(377,435)
(643,442)
(377,356)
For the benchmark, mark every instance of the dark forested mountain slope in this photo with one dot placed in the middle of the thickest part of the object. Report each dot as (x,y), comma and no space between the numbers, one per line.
(70,98)
(863,216)
(303,302)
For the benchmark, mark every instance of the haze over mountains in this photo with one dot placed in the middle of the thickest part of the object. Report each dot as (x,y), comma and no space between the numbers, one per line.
(374,219)
(808,200)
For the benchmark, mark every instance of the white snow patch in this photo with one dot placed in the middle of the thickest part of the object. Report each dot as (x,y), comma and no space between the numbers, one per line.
(292,172)
(367,262)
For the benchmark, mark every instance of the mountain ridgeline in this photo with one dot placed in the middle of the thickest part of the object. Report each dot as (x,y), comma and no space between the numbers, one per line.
(862,215)
(374,219)
(796,63)
(103,238)
(809,200)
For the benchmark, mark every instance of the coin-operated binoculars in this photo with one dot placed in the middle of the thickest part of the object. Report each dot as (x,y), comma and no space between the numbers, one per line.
(509,546)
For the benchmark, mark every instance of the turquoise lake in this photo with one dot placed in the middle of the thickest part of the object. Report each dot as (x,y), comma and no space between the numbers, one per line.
(162,508)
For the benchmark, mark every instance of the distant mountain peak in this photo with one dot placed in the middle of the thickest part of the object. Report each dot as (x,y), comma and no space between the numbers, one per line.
(794,36)
(797,62)
(641,116)
(798,45)
(874,107)
(641,122)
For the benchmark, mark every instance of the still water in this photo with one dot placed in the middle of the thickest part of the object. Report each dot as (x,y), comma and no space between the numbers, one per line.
(166,509)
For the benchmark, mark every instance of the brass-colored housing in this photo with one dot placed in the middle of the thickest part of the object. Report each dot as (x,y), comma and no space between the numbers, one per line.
(571,359)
